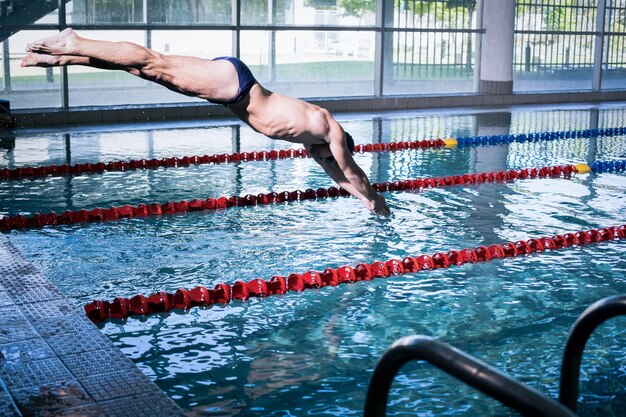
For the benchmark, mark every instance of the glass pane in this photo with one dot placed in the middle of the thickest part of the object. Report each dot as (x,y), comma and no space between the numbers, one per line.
(553,62)
(26,13)
(614,58)
(188,12)
(105,11)
(458,14)
(90,86)
(429,62)
(199,43)
(30,87)
(556,15)
(308,12)
(614,63)
(205,44)
(615,16)
(312,63)
(545,59)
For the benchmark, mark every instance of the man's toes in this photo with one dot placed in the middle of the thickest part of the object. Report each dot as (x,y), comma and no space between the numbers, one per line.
(33,47)
(28,61)
(39,60)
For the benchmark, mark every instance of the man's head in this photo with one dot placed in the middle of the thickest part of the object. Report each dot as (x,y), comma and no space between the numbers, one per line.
(323,154)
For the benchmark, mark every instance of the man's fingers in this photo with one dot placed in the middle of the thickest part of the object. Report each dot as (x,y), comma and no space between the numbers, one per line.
(382,212)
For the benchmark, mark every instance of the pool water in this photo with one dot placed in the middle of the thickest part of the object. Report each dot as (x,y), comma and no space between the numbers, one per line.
(312,353)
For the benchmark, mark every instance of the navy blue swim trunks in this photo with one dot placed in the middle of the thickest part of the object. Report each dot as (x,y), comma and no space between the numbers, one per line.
(246,79)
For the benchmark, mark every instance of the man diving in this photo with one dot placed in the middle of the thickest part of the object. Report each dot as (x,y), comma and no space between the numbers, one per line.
(227,81)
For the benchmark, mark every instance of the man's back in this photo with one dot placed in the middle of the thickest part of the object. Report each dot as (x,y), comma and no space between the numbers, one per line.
(282,117)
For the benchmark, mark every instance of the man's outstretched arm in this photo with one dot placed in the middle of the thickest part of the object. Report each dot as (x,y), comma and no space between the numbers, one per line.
(378,205)
(344,170)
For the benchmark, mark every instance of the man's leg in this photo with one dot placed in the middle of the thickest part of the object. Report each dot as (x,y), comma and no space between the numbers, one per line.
(191,76)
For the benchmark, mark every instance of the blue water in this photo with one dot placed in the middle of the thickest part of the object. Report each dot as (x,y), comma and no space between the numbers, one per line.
(312,353)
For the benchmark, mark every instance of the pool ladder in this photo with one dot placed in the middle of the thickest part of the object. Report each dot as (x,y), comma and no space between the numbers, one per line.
(508,391)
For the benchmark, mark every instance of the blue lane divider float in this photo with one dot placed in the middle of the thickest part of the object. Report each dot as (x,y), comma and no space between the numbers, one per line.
(608,166)
(541,136)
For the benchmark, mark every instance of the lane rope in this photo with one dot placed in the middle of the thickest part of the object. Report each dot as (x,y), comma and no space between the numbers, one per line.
(173,207)
(183,299)
(136,164)
(185,161)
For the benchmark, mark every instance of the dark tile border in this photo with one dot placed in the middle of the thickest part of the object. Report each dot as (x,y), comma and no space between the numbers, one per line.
(54,361)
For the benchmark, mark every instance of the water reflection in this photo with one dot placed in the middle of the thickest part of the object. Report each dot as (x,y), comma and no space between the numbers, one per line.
(102,144)
(312,352)
(488,207)
(7,141)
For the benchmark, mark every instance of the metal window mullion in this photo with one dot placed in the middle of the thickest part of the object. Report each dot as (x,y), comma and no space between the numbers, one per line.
(458,48)
(411,62)
(545,50)
(445,38)
(405,34)
(479,41)
(596,83)
(560,48)
(271,15)
(236,31)
(379,49)
(147,20)
(463,43)
(65,93)
(608,21)
(413,46)
(7,65)
(395,52)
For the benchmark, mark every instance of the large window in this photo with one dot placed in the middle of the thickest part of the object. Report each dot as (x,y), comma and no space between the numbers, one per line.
(556,44)
(614,56)
(312,63)
(190,12)
(317,48)
(105,12)
(431,48)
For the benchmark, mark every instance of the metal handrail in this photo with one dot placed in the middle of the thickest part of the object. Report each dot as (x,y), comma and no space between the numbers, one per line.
(589,320)
(464,367)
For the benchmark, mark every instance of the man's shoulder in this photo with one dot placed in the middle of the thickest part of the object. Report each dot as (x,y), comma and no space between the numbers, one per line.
(321,111)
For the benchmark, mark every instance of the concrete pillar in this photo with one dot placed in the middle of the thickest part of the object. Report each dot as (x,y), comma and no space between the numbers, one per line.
(496,60)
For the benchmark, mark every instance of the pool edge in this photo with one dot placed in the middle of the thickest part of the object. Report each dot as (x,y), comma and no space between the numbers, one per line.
(54,360)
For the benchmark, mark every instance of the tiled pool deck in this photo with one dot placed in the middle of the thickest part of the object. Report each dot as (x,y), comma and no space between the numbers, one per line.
(55,362)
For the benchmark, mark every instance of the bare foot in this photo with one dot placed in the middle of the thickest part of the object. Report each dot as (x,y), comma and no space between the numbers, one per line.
(39,60)
(61,44)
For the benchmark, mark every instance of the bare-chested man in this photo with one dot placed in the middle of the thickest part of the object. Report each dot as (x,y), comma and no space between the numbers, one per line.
(228,81)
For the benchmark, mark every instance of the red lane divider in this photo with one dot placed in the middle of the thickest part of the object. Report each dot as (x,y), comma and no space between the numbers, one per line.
(173,207)
(162,302)
(65,169)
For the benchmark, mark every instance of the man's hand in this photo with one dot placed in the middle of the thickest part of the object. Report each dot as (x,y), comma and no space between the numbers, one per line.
(378,206)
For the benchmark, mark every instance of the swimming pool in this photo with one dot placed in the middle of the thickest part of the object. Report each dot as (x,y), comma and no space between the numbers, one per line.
(313,352)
